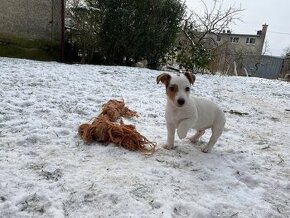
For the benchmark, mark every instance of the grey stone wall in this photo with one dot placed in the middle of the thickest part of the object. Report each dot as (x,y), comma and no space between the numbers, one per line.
(31,19)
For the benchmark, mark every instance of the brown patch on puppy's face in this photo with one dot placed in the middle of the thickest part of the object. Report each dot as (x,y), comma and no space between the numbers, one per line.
(177,87)
(171,91)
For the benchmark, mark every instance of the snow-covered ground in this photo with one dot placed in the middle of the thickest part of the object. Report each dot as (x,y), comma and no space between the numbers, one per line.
(47,171)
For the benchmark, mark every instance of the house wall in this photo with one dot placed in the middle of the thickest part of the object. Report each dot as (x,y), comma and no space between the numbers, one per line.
(233,55)
(31,19)
(241,44)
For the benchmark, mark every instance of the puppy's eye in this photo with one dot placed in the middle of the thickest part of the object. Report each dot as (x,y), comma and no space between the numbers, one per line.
(187,89)
(171,88)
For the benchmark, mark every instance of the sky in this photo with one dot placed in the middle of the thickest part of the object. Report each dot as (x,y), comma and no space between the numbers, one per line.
(256,13)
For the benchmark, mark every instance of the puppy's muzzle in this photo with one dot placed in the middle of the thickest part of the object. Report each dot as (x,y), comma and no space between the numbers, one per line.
(180,102)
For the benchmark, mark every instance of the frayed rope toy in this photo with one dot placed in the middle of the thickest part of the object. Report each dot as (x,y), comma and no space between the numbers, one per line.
(105,129)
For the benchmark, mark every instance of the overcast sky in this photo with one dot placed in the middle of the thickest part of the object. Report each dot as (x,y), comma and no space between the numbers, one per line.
(275,13)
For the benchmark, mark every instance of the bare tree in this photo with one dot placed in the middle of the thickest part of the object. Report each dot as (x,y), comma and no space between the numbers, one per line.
(214,19)
(266,48)
(200,31)
(286,51)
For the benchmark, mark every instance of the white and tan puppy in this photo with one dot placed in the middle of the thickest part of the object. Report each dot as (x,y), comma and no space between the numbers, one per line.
(184,112)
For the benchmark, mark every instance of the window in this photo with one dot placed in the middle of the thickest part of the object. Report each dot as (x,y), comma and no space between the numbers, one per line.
(234,39)
(250,40)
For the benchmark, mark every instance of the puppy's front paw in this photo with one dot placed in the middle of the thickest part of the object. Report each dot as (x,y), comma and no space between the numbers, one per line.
(167,146)
(181,133)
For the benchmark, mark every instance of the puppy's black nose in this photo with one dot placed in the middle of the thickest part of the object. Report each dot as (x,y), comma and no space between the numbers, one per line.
(180,101)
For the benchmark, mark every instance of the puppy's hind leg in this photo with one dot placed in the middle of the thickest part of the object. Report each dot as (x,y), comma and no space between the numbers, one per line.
(197,135)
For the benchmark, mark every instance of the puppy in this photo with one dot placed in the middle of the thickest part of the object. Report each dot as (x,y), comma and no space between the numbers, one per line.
(184,112)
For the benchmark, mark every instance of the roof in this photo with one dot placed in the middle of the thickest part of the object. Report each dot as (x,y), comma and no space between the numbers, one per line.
(233,34)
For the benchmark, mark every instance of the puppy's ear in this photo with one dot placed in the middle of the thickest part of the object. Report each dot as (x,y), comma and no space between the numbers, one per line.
(164,78)
(190,77)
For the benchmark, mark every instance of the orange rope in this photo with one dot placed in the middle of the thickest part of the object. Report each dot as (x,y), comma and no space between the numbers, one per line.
(103,129)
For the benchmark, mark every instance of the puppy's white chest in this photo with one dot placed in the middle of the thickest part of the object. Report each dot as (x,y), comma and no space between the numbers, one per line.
(178,114)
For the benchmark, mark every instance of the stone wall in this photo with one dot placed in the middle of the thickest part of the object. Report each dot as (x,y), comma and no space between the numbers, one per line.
(31,19)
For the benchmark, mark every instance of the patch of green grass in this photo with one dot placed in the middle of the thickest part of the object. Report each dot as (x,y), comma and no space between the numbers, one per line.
(30,49)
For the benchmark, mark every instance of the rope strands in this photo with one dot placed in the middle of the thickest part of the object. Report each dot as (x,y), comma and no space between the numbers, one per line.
(105,129)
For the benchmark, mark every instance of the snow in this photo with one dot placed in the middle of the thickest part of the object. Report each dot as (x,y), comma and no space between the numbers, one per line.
(47,171)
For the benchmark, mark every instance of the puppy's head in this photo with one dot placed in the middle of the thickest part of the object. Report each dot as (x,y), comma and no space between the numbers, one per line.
(177,87)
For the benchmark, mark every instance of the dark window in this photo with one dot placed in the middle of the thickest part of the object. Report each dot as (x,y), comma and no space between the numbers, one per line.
(234,39)
(250,40)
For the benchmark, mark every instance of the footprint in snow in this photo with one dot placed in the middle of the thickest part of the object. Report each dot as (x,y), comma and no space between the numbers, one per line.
(180,211)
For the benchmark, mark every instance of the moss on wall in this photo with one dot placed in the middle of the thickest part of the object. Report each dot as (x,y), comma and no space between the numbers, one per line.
(17,47)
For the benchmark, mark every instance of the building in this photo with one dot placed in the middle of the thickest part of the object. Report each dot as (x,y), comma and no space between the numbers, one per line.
(30,24)
(234,53)
(246,42)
